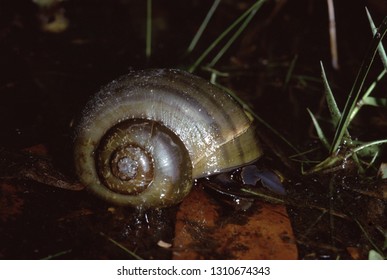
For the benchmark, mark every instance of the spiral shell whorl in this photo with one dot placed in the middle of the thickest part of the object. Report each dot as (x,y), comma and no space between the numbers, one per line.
(151,148)
(215,132)
(124,161)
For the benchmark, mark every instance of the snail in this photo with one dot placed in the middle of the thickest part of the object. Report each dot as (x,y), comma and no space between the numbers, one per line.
(144,138)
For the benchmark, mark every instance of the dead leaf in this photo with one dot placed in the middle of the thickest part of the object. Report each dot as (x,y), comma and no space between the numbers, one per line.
(205,230)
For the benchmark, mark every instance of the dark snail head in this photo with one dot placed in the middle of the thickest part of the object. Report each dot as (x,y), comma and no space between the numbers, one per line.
(144,138)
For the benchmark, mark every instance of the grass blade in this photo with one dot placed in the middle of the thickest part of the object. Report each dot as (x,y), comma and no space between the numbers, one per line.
(376,102)
(319,131)
(382,52)
(366,100)
(332,105)
(256,5)
(148,43)
(203,26)
(357,87)
(365,146)
(233,38)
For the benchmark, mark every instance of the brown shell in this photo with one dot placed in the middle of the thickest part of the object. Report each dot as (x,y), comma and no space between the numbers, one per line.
(215,130)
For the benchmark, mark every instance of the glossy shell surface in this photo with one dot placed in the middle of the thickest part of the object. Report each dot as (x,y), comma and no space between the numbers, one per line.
(216,132)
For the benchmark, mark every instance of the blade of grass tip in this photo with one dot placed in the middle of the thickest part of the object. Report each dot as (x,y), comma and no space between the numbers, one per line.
(319,131)
(193,67)
(331,102)
(383,57)
(357,86)
(233,37)
(203,26)
(148,43)
(335,114)
(334,110)
(382,52)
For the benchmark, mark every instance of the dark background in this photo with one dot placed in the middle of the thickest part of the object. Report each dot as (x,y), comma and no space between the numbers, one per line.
(46,78)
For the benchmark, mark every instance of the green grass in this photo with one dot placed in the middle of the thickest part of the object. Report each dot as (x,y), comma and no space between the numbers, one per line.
(243,21)
(342,147)
(203,26)
(148,43)
(356,98)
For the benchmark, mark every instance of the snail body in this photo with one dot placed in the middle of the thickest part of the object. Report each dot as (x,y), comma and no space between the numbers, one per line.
(144,138)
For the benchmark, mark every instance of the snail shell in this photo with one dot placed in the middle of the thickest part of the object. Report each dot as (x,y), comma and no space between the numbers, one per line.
(144,138)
